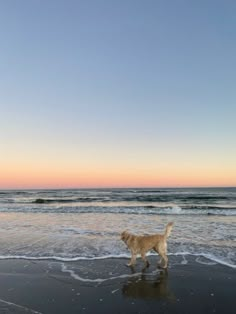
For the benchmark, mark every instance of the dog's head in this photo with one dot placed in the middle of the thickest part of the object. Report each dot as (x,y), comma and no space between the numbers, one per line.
(124,236)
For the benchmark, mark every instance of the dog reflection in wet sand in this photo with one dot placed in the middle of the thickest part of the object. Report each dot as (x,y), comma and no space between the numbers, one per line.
(143,244)
(149,287)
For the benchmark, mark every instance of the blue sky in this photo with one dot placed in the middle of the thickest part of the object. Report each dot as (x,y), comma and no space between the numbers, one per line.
(136,78)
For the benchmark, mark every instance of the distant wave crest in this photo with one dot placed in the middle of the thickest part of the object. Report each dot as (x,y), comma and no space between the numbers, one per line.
(137,210)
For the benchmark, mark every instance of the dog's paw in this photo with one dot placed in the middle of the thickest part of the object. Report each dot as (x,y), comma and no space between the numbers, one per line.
(129,265)
(162,267)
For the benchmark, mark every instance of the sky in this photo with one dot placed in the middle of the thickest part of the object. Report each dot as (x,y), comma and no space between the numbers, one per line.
(124,93)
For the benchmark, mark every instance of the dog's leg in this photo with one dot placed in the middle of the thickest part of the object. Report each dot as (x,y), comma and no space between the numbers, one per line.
(165,258)
(161,248)
(145,259)
(133,260)
(160,261)
(164,255)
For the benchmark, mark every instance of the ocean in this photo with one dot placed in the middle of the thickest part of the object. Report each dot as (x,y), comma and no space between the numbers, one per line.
(85,224)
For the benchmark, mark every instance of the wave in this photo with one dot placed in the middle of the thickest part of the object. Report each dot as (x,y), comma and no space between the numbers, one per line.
(149,191)
(135,210)
(204,197)
(48,201)
(171,198)
(207,256)
(134,197)
(65,200)
(204,207)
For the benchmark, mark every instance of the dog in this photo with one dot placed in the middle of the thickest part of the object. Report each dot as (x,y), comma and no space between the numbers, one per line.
(143,244)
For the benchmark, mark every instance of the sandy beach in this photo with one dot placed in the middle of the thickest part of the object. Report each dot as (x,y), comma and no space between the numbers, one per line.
(108,286)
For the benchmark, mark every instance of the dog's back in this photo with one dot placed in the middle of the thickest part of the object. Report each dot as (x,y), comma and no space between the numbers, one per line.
(148,242)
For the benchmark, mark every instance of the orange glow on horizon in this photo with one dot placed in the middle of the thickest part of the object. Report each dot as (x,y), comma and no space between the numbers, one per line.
(47,177)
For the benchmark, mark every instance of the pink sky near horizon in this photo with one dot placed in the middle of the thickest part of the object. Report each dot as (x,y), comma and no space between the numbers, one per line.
(56,162)
(52,177)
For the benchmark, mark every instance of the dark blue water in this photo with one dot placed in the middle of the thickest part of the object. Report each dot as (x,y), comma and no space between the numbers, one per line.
(205,201)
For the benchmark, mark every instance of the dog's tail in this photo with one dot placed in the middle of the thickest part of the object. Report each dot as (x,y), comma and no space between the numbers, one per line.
(168,229)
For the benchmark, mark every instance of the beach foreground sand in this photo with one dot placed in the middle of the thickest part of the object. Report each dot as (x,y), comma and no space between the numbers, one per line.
(108,286)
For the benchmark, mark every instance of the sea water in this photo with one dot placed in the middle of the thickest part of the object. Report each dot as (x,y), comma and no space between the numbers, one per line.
(71,225)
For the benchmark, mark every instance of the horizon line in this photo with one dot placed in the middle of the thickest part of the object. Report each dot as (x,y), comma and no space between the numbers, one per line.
(118,188)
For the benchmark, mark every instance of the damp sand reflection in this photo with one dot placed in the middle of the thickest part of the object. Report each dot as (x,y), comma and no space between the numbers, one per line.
(149,286)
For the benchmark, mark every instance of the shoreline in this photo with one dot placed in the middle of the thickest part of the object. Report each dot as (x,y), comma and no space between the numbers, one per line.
(104,286)
(210,260)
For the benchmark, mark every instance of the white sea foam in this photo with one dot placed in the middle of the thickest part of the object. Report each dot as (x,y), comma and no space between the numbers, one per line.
(205,262)
(75,237)
(18,306)
(184,261)
(213,259)
(173,210)
(65,269)
(207,256)
(72,273)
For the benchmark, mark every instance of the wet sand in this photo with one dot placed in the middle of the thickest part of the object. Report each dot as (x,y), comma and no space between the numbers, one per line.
(108,286)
